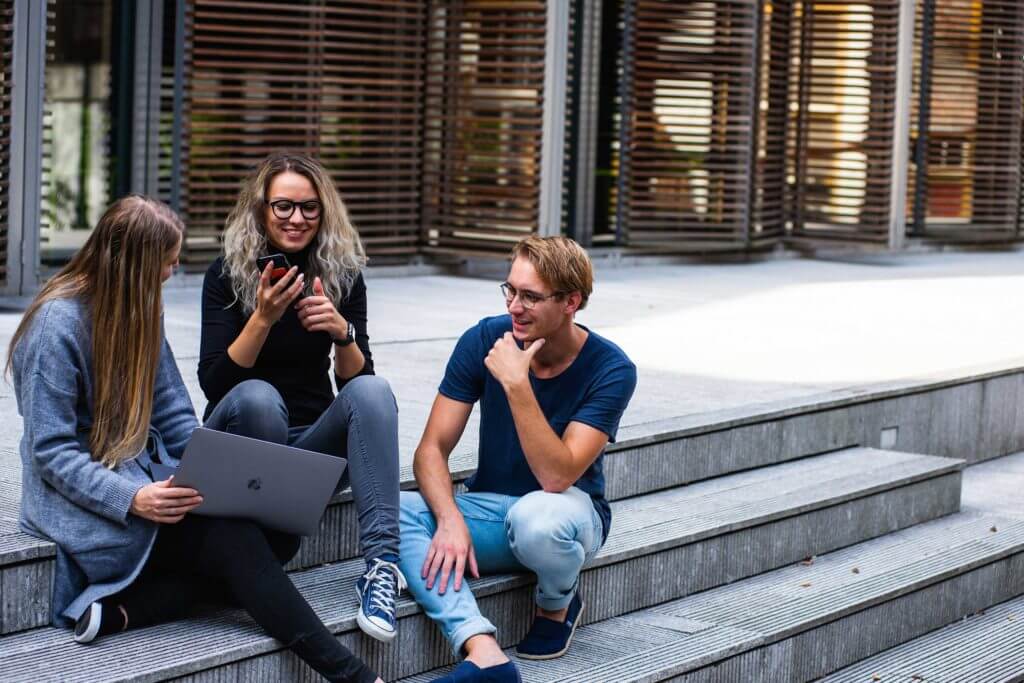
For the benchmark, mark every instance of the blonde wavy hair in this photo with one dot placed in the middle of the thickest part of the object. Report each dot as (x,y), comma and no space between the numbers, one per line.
(338,254)
(117,274)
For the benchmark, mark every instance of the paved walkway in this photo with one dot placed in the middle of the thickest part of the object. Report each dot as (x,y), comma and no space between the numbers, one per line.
(706,338)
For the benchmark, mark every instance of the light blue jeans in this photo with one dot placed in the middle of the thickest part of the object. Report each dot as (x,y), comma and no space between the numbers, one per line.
(549,534)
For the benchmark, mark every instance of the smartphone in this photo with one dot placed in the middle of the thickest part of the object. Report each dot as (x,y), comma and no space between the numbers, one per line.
(280,262)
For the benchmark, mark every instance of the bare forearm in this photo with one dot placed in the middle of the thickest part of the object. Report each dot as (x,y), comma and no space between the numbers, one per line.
(549,458)
(435,484)
(348,361)
(247,346)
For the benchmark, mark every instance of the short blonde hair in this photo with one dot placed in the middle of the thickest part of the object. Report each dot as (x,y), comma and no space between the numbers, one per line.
(562,263)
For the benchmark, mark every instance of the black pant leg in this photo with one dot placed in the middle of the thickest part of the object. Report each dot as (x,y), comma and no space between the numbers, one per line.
(239,553)
(167,588)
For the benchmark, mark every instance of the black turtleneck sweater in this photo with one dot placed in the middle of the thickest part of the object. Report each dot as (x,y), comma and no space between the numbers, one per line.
(296,362)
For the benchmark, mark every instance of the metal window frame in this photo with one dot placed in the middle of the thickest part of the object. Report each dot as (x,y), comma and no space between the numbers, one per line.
(148,56)
(556,59)
(24,274)
(588,83)
(901,126)
(27,76)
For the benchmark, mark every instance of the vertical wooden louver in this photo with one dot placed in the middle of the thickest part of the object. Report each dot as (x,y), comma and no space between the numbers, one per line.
(688,170)
(7,39)
(483,124)
(843,89)
(338,79)
(967,119)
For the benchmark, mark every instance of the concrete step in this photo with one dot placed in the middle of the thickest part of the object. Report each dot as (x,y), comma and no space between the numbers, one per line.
(987,647)
(804,621)
(635,466)
(663,546)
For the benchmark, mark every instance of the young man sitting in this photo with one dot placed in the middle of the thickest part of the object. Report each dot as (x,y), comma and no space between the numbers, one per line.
(551,394)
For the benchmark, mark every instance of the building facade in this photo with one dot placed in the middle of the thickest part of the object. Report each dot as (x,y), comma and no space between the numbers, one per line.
(453,128)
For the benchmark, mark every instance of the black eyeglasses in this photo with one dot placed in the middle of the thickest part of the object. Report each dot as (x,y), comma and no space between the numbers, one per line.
(284,208)
(527,298)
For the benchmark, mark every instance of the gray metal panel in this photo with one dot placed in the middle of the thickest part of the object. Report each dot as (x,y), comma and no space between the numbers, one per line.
(587,87)
(552,155)
(146,93)
(901,126)
(26,147)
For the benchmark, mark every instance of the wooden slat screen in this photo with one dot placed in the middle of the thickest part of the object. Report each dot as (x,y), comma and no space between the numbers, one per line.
(335,78)
(689,166)
(7,39)
(965,175)
(482,125)
(843,89)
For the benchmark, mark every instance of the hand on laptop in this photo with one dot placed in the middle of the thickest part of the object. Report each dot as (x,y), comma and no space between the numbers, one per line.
(164,503)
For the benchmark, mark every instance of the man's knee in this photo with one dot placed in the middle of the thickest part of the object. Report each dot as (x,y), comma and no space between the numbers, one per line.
(540,522)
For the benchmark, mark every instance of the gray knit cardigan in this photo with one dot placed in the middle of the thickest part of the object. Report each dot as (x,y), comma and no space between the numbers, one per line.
(67,497)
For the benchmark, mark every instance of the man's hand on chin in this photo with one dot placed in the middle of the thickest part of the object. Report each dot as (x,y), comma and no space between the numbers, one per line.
(509,364)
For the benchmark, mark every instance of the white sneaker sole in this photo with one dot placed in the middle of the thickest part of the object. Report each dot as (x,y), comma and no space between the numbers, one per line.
(371,629)
(95,617)
(368,627)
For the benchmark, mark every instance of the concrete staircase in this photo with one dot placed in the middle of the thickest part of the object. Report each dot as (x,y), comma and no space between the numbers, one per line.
(757,552)
(986,647)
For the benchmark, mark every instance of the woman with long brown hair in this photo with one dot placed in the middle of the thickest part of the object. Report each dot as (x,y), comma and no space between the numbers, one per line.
(102,401)
(266,353)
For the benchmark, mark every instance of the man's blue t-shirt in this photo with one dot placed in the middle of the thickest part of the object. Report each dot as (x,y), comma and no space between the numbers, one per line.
(594,390)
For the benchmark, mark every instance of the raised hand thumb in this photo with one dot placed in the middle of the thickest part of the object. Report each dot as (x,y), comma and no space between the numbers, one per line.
(318,287)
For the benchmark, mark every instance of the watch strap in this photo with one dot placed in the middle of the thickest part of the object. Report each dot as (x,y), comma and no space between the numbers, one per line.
(350,336)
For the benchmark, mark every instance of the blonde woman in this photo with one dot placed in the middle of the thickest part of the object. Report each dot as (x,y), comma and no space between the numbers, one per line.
(266,352)
(102,400)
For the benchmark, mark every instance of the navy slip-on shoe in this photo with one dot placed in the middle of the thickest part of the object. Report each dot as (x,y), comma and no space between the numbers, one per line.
(468,672)
(549,639)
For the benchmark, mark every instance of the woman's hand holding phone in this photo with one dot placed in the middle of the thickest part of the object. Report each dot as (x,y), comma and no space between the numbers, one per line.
(164,503)
(273,298)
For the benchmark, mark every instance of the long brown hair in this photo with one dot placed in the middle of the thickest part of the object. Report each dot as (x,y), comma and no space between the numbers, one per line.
(338,254)
(117,275)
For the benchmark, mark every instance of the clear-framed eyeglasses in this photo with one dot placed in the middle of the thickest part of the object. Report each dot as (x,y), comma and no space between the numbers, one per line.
(527,298)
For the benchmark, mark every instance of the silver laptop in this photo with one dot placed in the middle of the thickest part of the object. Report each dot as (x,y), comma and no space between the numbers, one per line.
(278,486)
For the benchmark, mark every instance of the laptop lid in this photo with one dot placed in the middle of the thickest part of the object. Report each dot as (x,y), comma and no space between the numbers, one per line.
(278,486)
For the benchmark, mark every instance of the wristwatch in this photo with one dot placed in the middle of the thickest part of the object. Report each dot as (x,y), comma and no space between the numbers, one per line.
(350,336)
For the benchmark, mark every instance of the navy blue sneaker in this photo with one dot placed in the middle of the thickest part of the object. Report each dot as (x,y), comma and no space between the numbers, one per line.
(468,672)
(378,589)
(549,639)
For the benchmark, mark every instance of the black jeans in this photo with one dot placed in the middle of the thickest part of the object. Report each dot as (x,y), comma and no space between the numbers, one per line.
(201,558)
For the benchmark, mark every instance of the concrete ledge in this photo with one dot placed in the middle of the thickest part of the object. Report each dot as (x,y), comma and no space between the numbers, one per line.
(724,530)
(986,646)
(969,413)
